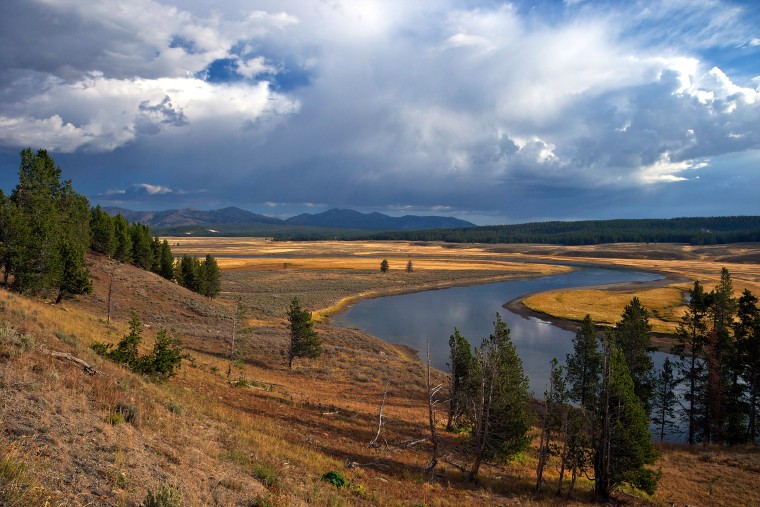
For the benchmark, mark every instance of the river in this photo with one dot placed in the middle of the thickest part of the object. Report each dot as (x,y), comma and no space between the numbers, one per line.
(411,319)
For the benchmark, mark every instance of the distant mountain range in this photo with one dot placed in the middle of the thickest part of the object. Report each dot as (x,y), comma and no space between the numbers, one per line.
(332,219)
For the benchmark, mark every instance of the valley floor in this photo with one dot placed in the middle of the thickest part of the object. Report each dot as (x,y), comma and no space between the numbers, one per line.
(69,438)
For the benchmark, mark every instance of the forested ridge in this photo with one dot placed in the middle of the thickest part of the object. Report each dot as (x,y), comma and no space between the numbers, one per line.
(693,230)
(46,228)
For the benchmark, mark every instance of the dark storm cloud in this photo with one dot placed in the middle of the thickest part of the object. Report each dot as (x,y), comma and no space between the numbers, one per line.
(510,111)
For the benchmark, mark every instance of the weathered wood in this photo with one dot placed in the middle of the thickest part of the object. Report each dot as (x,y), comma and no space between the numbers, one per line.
(65,356)
(374,443)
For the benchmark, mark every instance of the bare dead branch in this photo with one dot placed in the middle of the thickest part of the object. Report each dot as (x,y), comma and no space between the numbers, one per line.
(374,443)
(65,356)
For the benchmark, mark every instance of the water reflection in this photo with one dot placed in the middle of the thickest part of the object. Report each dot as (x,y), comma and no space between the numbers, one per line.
(411,319)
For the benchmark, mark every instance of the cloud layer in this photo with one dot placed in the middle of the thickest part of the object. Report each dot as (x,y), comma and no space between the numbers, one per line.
(498,111)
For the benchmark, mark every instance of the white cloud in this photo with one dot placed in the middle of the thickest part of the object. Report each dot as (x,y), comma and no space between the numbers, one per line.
(101,114)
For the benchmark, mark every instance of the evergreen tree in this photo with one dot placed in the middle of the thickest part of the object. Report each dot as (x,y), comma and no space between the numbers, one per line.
(46,224)
(691,365)
(211,276)
(500,396)
(103,233)
(634,337)
(304,341)
(188,273)
(167,261)
(37,258)
(664,400)
(155,249)
(164,359)
(409,267)
(624,445)
(123,251)
(554,418)
(461,359)
(142,249)
(384,265)
(747,333)
(584,365)
(75,278)
(126,350)
(7,226)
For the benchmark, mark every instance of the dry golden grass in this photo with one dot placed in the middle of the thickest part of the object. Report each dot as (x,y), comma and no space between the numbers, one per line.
(665,305)
(225,445)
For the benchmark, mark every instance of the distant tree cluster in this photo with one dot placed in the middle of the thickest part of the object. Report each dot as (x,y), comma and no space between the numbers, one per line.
(203,277)
(116,238)
(46,228)
(44,231)
(696,231)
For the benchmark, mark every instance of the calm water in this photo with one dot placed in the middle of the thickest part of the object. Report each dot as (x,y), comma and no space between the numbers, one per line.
(411,319)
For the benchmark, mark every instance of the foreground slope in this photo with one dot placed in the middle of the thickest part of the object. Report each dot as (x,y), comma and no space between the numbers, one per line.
(73,439)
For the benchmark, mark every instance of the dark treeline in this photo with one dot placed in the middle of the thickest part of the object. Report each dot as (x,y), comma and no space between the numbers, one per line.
(696,231)
(602,402)
(46,228)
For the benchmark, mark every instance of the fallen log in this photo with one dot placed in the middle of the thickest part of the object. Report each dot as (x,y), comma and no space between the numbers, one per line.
(65,356)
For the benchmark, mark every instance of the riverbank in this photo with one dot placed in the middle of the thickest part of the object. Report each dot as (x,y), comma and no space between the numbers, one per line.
(662,341)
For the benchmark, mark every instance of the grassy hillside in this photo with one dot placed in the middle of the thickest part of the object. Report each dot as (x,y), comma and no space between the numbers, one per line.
(70,438)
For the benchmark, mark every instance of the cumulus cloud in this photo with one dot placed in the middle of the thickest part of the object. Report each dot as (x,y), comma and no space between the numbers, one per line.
(384,103)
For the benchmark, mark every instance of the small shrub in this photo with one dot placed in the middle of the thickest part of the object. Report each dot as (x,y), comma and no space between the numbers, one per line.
(241,382)
(70,340)
(114,418)
(266,475)
(10,337)
(261,501)
(335,478)
(166,496)
(127,411)
(163,361)
(174,408)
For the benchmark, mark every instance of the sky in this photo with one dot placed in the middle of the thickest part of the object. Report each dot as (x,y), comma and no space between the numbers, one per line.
(494,112)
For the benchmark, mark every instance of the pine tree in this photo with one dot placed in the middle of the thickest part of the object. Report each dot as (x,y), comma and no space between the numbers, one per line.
(384,265)
(747,333)
(46,223)
(634,337)
(37,260)
(188,273)
(409,267)
(728,391)
(623,445)
(461,359)
(664,400)
(212,282)
(691,365)
(584,365)
(142,250)
(75,278)
(500,396)
(155,250)
(167,261)
(123,251)
(7,226)
(103,234)
(554,418)
(304,341)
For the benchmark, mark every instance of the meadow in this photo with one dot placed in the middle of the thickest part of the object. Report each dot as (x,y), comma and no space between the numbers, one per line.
(265,434)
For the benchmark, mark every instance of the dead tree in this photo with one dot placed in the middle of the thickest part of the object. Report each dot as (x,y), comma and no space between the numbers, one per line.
(432,392)
(374,443)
